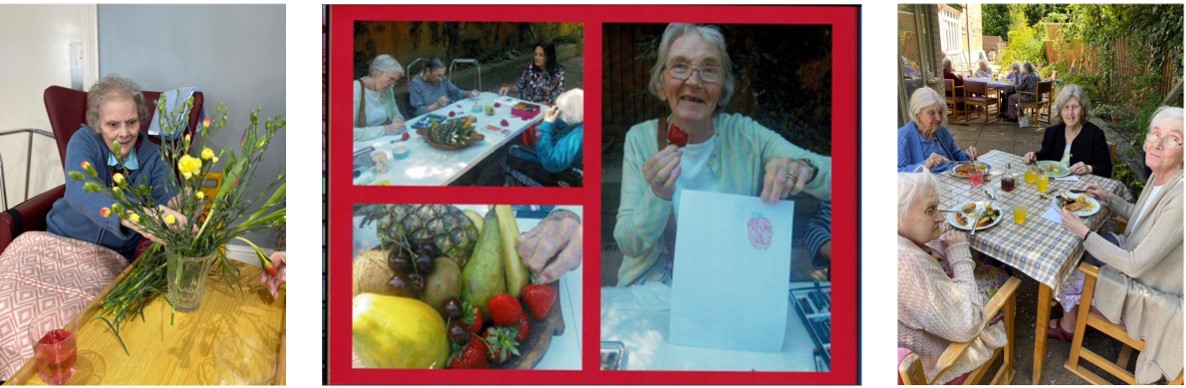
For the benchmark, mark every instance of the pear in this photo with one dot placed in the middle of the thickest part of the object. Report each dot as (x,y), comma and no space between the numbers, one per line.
(484,276)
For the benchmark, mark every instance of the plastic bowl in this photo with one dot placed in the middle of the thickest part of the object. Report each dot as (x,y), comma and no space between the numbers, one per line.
(400,151)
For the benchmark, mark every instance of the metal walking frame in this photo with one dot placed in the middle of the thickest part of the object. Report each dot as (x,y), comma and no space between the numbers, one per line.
(28,161)
(463,61)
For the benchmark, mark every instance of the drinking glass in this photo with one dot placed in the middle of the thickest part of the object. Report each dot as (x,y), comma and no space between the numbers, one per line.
(55,338)
(976,177)
(1043,182)
(1019,213)
(245,360)
(1031,175)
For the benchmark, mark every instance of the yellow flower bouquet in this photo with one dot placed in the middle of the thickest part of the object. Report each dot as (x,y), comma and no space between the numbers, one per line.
(196,239)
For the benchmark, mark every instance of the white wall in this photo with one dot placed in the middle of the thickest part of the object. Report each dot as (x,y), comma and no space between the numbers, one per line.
(234,53)
(35,45)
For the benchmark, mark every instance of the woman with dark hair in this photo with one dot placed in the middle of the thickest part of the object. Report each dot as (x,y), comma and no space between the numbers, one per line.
(543,79)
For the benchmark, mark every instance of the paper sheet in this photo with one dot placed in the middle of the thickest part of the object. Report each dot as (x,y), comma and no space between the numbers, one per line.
(732,262)
(1068,178)
(1052,215)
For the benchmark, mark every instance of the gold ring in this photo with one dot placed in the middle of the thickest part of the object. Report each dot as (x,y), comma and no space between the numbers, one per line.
(791,178)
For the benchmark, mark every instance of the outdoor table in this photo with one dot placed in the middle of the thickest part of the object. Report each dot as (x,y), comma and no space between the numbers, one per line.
(1005,87)
(1039,248)
(639,318)
(564,351)
(428,166)
(184,352)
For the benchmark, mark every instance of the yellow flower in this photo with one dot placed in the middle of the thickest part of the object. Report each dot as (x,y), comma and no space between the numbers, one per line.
(200,195)
(118,178)
(170,220)
(189,166)
(135,218)
(207,153)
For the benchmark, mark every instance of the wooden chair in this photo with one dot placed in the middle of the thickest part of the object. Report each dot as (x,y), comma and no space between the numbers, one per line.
(910,369)
(955,100)
(1086,318)
(1042,95)
(978,93)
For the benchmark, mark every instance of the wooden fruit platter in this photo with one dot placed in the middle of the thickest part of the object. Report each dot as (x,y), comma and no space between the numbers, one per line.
(538,339)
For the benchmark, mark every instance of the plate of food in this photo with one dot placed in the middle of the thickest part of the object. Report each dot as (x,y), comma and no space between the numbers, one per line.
(963,169)
(982,215)
(1054,169)
(1081,205)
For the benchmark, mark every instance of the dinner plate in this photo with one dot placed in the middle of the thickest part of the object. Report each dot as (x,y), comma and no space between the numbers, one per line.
(1095,205)
(951,217)
(957,166)
(1054,169)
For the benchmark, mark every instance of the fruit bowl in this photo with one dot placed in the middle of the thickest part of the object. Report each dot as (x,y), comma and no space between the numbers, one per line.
(474,138)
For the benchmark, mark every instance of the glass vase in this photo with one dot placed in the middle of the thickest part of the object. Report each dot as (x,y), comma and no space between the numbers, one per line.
(187,280)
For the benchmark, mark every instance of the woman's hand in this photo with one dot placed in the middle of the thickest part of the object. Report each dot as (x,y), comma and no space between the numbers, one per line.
(972,152)
(935,160)
(1096,191)
(502,91)
(952,237)
(551,114)
(662,170)
(395,128)
(1072,223)
(785,177)
(441,102)
(164,211)
(553,246)
(1029,158)
(273,283)
(1081,168)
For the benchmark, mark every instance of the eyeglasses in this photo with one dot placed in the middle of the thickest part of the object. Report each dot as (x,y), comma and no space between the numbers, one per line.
(1170,142)
(682,71)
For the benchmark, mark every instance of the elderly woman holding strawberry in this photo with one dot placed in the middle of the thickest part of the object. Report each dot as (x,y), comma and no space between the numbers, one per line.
(698,147)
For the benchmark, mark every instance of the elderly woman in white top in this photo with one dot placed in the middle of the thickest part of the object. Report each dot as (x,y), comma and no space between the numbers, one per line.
(936,309)
(983,70)
(375,111)
(1150,249)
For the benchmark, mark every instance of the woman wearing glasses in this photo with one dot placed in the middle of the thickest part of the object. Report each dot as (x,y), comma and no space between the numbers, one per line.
(1073,139)
(698,147)
(375,111)
(1150,249)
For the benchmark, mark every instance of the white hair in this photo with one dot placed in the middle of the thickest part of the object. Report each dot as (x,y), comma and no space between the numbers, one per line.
(1162,113)
(1068,92)
(386,64)
(923,98)
(572,106)
(711,35)
(911,186)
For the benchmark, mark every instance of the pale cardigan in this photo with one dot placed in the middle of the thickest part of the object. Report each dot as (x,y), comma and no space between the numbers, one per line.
(935,310)
(1142,281)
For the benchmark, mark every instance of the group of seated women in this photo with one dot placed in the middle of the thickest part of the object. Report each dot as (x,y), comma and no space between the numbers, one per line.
(938,307)
(558,139)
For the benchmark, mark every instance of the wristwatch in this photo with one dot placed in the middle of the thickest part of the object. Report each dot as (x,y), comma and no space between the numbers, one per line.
(814,169)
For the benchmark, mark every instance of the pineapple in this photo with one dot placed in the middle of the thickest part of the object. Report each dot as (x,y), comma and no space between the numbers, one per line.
(445,225)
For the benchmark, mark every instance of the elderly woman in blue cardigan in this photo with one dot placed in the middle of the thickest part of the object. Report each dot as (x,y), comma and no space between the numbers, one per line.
(562,132)
(115,109)
(924,141)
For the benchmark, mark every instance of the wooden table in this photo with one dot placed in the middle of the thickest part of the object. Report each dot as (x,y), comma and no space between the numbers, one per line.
(1043,250)
(184,352)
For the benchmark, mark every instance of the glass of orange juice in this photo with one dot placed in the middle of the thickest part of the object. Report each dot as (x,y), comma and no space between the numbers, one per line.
(1031,175)
(1043,182)
(1019,213)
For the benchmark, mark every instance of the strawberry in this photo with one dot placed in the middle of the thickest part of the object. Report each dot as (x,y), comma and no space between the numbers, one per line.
(452,113)
(524,327)
(471,356)
(497,105)
(677,136)
(539,299)
(504,309)
(404,137)
(472,317)
(502,343)
(505,123)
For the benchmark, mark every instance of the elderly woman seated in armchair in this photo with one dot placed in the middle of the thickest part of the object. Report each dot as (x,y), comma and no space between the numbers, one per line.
(61,270)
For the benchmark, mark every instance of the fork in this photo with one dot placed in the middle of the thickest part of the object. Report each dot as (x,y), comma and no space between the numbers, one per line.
(975,223)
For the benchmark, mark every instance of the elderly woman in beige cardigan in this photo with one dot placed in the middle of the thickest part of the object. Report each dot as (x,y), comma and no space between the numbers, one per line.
(1150,249)
(936,309)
